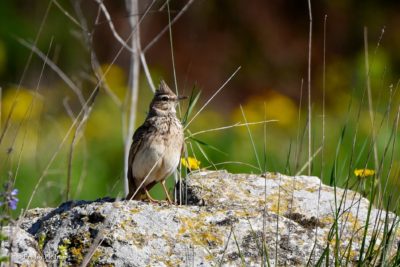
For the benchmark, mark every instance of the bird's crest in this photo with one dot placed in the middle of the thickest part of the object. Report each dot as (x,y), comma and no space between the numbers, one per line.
(163,89)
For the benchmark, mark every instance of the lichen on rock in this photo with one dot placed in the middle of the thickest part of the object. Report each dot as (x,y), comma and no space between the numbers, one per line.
(226,219)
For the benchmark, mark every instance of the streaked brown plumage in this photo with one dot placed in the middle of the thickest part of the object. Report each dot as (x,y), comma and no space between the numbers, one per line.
(156,147)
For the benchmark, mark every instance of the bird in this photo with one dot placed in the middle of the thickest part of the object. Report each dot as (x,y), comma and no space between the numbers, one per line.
(156,146)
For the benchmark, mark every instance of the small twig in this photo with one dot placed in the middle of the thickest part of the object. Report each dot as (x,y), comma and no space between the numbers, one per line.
(112,28)
(65,12)
(147,72)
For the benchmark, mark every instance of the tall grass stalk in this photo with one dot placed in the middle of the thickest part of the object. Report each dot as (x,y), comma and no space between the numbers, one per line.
(309,84)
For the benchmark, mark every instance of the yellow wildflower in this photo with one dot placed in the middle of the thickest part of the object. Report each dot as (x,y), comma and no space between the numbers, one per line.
(278,107)
(191,163)
(115,78)
(23,102)
(362,173)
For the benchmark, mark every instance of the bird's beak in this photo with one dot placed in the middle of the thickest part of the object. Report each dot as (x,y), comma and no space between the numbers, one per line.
(181,97)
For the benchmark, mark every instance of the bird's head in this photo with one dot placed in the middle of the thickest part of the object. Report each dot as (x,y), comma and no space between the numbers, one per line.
(164,100)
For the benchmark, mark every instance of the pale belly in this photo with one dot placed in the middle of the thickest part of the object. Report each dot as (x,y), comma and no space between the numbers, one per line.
(156,162)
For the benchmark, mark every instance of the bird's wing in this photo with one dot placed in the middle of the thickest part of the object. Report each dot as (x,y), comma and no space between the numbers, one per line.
(136,143)
(183,148)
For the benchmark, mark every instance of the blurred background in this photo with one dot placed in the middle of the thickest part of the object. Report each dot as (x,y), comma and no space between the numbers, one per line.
(211,39)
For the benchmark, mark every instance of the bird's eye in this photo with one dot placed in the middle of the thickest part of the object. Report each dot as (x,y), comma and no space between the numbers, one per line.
(164,98)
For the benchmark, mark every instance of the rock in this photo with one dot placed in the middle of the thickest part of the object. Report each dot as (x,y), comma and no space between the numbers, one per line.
(24,249)
(229,220)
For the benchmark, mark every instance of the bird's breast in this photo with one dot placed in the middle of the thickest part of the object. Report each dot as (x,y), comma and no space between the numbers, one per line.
(160,154)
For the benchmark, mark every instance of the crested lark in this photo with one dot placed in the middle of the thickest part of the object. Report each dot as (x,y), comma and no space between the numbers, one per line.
(157,145)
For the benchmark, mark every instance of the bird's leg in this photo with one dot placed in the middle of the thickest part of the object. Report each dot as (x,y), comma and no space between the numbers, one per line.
(166,192)
(151,199)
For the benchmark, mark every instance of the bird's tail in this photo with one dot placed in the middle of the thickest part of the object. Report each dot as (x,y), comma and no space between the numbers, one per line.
(132,190)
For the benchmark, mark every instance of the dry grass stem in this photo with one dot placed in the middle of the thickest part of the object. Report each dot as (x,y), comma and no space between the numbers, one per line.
(212,97)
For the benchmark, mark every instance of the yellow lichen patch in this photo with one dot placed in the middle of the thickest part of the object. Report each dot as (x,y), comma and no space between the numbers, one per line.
(343,250)
(354,224)
(232,196)
(138,239)
(135,210)
(312,189)
(261,202)
(77,254)
(352,234)
(270,175)
(123,225)
(279,204)
(200,233)
(297,184)
(168,262)
(245,213)
(96,256)
(210,257)
(327,220)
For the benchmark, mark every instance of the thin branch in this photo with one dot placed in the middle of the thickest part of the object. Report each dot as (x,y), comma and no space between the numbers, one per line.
(124,42)
(65,12)
(133,6)
(55,68)
(112,28)
(147,72)
(88,36)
